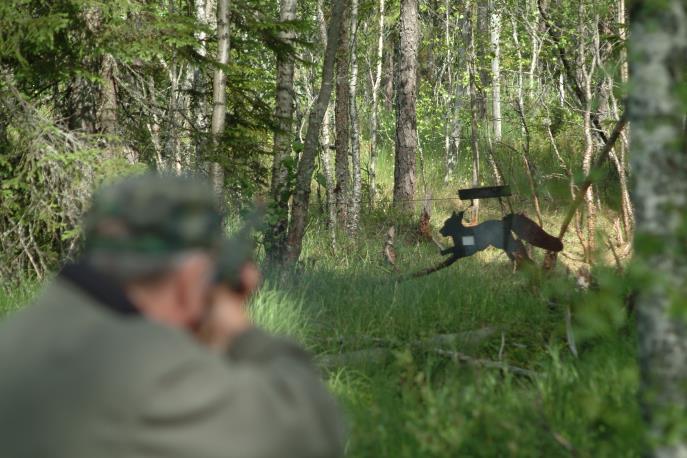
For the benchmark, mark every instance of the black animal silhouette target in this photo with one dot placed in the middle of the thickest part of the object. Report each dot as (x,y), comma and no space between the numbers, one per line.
(468,240)
(501,234)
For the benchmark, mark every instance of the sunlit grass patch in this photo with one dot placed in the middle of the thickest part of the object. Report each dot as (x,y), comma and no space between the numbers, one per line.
(17,296)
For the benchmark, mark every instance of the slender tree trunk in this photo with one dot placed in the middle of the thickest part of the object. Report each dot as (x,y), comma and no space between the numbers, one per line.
(198,101)
(372,166)
(325,143)
(472,75)
(342,121)
(659,145)
(622,34)
(219,92)
(171,133)
(301,198)
(107,114)
(276,235)
(449,106)
(328,170)
(628,211)
(620,162)
(496,69)
(455,87)
(590,205)
(406,93)
(354,216)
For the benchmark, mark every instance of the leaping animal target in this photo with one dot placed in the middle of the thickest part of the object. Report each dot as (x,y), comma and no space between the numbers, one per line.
(501,234)
(468,240)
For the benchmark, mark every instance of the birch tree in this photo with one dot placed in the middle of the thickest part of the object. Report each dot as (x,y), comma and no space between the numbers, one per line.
(657,106)
(325,142)
(354,216)
(219,89)
(406,94)
(376,84)
(342,120)
(301,198)
(282,139)
(472,75)
(495,35)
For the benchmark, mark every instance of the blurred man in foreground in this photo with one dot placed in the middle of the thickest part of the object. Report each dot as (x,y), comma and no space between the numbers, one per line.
(144,347)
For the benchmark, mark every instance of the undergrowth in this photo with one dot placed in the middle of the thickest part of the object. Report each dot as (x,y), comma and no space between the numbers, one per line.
(419,402)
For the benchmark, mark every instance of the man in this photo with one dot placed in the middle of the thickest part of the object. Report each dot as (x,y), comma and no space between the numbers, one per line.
(144,348)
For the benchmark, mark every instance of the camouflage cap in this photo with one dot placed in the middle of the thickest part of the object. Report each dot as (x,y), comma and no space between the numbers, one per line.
(137,225)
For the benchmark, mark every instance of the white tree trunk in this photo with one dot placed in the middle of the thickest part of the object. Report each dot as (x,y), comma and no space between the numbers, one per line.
(354,215)
(276,237)
(495,29)
(325,142)
(587,79)
(659,146)
(219,90)
(372,166)
(301,198)
(342,121)
(472,75)
(198,105)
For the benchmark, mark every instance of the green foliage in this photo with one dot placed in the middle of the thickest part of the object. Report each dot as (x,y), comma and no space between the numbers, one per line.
(423,404)
(46,177)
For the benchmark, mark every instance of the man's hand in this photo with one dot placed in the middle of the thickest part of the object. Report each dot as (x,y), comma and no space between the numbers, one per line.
(227,316)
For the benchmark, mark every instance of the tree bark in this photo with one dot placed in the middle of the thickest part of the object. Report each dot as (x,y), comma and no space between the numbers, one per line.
(455,89)
(107,114)
(406,95)
(659,145)
(472,75)
(496,69)
(325,142)
(198,100)
(354,216)
(219,91)
(376,84)
(587,75)
(301,198)
(342,120)
(276,234)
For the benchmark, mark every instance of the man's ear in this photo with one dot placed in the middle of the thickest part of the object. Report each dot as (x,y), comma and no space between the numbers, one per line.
(249,279)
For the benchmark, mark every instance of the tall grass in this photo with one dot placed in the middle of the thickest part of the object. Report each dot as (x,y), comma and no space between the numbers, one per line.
(419,403)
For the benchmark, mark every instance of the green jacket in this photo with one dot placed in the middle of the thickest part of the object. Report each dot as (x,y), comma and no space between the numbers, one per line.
(82,374)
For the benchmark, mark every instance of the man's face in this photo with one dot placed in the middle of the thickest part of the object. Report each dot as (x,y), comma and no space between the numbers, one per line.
(192,283)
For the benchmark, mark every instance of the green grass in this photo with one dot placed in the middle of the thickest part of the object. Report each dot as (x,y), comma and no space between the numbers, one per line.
(15,297)
(419,403)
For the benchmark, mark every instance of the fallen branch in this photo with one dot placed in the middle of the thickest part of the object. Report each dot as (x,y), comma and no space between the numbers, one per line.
(464,338)
(459,357)
(382,352)
(471,337)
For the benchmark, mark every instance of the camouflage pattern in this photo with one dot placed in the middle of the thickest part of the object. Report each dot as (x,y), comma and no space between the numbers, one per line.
(136,226)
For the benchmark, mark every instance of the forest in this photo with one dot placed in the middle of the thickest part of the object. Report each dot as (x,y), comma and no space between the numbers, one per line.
(361,126)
